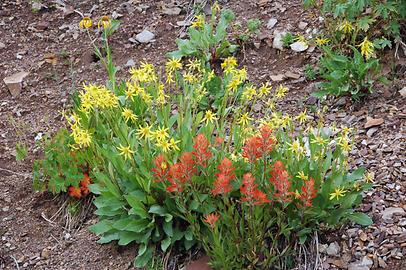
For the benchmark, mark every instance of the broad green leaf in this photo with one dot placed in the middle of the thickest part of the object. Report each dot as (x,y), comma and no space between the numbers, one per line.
(165,244)
(361,219)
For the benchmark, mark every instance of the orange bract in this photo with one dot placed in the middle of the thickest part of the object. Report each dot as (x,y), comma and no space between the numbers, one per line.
(211,219)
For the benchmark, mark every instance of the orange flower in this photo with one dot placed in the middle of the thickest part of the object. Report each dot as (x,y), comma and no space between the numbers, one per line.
(201,153)
(84,184)
(211,219)
(308,193)
(280,180)
(219,141)
(222,183)
(250,191)
(75,192)
(259,146)
(161,169)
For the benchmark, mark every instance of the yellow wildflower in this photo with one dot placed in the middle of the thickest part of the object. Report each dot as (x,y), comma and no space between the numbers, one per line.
(281,91)
(296,149)
(367,48)
(129,115)
(369,177)
(301,38)
(244,120)
(322,41)
(125,151)
(233,85)
(264,90)
(229,64)
(346,27)
(161,133)
(210,76)
(86,23)
(81,137)
(346,130)
(189,77)
(286,121)
(302,176)
(194,65)
(319,140)
(209,116)
(172,65)
(104,22)
(174,144)
(164,145)
(145,132)
(248,93)
(345,144)
(302,117)
(198,22)
(338,192)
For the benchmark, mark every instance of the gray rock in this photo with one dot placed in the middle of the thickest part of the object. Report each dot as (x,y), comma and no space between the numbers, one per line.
(371,131)
(277,39)
(302,25)
(365,264)
(130,63)
(333,249)
(401,92)
(271,23)
(388,212)
(172,11)
(299,46)
(2,45)
(145,36)
(15,82)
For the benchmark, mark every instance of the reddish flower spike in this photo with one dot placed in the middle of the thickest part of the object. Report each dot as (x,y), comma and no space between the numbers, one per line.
(211,219)
(280,180)
(75,192)
(308,193)
(161,169)
(201,153)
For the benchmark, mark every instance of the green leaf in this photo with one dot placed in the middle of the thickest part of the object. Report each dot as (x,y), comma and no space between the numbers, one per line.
(127,237)
(167,226)
(138,207)
(165,244)
(101,227)
(157,209)
(361,219)
(142,259)
(108,238)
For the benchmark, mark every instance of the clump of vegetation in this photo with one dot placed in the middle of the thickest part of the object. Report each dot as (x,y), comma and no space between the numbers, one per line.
(206,174)
(288,39)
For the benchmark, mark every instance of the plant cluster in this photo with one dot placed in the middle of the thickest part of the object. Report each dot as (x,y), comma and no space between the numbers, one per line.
(353,28)
(207,40)
(178,160)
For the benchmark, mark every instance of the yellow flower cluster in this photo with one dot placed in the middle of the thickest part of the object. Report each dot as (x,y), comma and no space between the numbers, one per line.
(87,23)
(94,97)
(367,48)
(81,136)
(172,66)
(198,22)
(145,74)
(160,136)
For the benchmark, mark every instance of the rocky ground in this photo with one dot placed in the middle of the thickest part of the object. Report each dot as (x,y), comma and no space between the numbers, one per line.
(42,46)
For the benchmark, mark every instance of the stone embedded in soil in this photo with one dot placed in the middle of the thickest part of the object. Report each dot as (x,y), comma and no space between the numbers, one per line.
(277,78)
(372,122)
(364,264)
(130,63)
(333,249)
(371,131)
(145,36)
(292,75)
(277,39)
(389,212)
(15,82)
(271,23)
(299,46)
(2,45)
(402,92)
(172,11)
(303,25)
